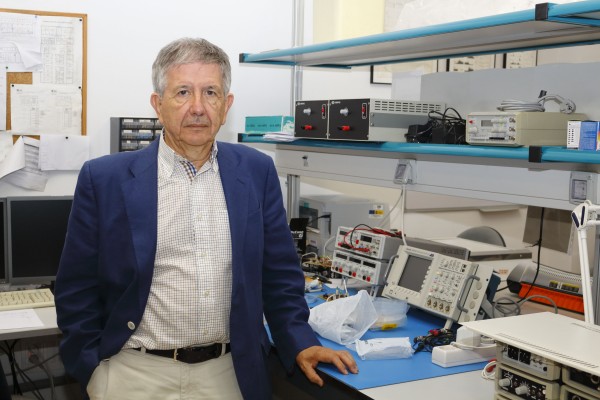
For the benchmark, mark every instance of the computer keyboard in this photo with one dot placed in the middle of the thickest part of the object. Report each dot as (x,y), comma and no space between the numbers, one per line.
(19,299)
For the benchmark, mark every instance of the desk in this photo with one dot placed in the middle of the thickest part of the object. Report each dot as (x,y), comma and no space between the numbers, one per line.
(48,317)
(456,386)
(387,379)
(462,384)
(465,385)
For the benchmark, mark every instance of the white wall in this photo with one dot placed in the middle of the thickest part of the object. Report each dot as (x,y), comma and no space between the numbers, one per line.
(124,37)
(342,19)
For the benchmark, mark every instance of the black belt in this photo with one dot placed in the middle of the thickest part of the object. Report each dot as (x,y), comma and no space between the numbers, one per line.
(192,355)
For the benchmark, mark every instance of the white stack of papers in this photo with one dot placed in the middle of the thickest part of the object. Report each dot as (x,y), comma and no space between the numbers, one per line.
(280,136)
(19,319)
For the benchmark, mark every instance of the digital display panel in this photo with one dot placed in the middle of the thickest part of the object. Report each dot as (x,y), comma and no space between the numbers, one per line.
(414,273)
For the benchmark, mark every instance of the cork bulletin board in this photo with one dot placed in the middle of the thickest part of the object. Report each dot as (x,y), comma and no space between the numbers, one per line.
(27,78)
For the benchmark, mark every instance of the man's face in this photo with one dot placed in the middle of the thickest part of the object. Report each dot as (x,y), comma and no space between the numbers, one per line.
(193,106)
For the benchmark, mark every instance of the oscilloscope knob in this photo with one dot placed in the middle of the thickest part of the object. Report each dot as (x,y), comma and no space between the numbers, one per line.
(504,382)
(523,389)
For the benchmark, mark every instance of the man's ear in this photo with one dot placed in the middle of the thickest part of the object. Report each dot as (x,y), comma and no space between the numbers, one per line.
(155,101)
(228,104)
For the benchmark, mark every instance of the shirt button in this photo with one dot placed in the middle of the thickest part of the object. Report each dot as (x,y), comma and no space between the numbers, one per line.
(131,325)
(206,293)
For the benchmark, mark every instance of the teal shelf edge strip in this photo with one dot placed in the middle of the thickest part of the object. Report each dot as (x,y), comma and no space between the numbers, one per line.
(555,11)
(549,153)
(561,154)
(572,9)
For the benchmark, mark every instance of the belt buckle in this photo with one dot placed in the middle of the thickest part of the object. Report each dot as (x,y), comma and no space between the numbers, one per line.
(194,355)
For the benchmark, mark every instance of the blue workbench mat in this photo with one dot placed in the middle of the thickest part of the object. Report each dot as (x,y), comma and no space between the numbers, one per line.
(373,373)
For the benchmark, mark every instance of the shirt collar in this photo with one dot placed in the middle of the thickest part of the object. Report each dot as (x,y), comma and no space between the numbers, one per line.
(170,159)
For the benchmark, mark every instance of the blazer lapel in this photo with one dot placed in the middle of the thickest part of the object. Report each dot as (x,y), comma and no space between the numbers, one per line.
(235,188)
(141,198)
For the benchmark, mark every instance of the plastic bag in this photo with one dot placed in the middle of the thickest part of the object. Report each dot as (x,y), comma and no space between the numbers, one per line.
(383,348)
(344,320)
(391,313)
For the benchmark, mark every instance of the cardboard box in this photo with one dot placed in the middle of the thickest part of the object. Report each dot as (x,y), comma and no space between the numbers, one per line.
(588,135)
(265,124)
(573,134)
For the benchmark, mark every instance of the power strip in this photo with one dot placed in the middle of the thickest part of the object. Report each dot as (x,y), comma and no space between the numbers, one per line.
(451,356)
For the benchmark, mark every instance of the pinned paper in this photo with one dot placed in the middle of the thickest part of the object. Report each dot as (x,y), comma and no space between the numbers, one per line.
(63,153)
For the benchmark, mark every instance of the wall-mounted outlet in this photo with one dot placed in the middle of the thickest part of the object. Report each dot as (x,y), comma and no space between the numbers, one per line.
(406,172)
(583,186)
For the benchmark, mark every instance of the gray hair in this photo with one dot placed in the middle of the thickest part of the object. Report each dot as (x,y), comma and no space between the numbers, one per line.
(186,51)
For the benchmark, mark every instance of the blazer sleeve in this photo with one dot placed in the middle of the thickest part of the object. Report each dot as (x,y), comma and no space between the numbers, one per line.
(286,310)
(77,292)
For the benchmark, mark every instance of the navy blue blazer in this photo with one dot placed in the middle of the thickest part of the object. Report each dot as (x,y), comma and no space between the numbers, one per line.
(106,267)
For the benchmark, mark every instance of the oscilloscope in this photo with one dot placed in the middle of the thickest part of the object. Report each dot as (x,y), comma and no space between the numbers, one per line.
(445,286)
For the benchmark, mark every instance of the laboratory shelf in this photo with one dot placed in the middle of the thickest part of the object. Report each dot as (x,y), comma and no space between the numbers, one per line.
(541,154)
(547,25)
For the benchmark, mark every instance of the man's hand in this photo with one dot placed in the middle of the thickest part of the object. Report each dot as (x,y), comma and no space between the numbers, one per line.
(308,359)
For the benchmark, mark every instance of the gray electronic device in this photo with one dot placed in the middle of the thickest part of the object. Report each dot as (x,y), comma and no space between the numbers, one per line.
(359,267)
(363,254)
(516,384)
(445,286)
(569,393)
(377,120)
(527,361)
(326,213)
(583,381)
(367,243)
(518,128)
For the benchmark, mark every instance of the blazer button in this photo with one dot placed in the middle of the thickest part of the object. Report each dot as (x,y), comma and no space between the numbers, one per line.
(131,325)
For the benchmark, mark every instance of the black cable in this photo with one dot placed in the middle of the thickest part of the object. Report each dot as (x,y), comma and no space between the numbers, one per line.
(355,229)
(451,127)
(9,350)
(310,221)
(16,371)
(434,338)
(378,231)
(538,243)
(34,359)
(539,252)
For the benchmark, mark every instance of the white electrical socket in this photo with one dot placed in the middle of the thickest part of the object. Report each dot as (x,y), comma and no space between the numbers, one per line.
(583,186)
(451,356)
(467,337)
(406,172)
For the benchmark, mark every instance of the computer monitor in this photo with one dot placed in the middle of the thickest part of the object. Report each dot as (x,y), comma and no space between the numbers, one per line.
(3,255)
(37,227)
(560,245)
